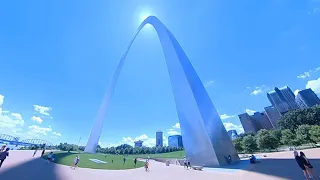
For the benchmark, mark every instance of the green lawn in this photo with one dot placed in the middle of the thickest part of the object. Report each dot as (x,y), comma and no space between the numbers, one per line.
(66,158)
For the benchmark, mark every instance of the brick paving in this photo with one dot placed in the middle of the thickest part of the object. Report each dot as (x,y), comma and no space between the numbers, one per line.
(20,165)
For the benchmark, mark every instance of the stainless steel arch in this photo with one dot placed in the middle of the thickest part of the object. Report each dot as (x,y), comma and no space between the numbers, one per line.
(205,139)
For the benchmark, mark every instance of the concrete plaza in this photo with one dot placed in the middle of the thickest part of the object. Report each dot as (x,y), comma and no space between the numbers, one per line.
(20,165)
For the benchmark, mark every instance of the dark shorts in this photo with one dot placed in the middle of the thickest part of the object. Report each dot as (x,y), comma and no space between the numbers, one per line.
(76,163)
(302,167)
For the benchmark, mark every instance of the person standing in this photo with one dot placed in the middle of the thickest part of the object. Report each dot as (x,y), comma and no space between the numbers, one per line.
(3,156)
(307,164)
(135,162)
(300,162)
(124,160)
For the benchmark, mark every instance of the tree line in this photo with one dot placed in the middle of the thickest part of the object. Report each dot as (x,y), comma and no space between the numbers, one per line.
(295,128)
(122,149)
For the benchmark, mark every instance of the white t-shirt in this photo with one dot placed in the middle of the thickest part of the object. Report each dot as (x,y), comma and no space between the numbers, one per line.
(185,160)
(75,160)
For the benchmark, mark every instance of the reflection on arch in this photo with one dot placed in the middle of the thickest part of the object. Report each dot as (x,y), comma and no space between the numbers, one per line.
(205,139)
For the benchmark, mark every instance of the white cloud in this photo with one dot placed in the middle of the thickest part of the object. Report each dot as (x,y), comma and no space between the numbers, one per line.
(1,99)
(42,109)
(314,85)
(304,75)
(231,126)
(16,116)
(9,123)
(259,90)
(208,83)
(37,131)
(250,112)
(37,119)
(296,92)
(177,125)
(225,116)
(58,134)
(147,141)
(172,132)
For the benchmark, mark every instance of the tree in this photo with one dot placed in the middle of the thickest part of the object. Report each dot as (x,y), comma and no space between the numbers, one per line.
(315,133)
(293,119)
(238,144)
(267,141)
(249,144)
(276,133)
(289,138)
(303,134)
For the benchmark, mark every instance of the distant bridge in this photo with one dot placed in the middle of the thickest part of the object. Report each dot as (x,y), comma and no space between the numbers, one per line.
(7,139)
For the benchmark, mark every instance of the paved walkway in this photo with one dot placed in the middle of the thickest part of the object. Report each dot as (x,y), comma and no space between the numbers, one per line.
(21,166)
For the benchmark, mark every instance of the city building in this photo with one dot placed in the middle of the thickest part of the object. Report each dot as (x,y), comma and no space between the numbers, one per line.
(159,138)
(247,123)
(307,98)
(138,143)
(233,134)
(175,141)
(282,99)
(272,114)
(253,123)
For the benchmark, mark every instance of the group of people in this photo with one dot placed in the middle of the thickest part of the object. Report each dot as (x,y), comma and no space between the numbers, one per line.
(4,153)
(304,164)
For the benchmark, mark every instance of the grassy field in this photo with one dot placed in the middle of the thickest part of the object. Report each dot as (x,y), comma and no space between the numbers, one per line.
(66,158)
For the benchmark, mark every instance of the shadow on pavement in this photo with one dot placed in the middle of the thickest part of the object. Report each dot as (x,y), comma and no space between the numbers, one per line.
(281,168)
(31,170)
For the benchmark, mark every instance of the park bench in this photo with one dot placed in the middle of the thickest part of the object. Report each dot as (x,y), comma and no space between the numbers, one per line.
(199,168)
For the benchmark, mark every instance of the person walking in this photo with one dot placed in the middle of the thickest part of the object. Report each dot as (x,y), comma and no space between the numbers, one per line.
(3,156)
(43,152)
(50,157)
(146,166)
(34,153)
(185,162)
(3,147)
(301,163)
(76,162)
(307,164)
(124,160)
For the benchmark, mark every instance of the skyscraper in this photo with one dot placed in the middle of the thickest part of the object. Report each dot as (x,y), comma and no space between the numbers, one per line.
(273,115)
(307,98)
(247,123)
(253,123)
(138,143)
(159,138)
(232,134)
(282,99)
(175,141)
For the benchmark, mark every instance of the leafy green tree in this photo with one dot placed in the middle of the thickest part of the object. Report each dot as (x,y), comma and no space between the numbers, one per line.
(266,140)
(303,134)
(289,138)
(238,144)
(293,119)
(315,133)
(249,144)
(276,133)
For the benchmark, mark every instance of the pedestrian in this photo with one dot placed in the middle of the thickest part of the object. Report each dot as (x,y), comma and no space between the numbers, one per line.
(124,160)
(307,164)
(135,162)
(43,152)
(76,162)
(185,162)
(146,166)
(50,156)
(3,156)
(189,164)
(34,153)
(3,147)
(301,164)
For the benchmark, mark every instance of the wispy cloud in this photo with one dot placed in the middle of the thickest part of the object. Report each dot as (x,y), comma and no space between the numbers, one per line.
(177,125)
(225,116)
(231,126)
(308,74)
(42,109)
(208,83)
(259,90)
(250,112)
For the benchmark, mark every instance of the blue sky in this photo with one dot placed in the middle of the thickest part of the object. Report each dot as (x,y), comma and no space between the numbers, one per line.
(57,57)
